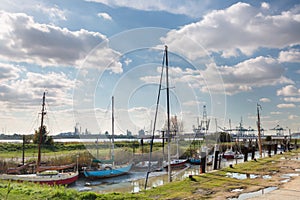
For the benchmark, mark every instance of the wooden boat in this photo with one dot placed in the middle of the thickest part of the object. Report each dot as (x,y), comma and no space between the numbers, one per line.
(177,164)
(107,170)
(43,175)
(52,177)
(228,154)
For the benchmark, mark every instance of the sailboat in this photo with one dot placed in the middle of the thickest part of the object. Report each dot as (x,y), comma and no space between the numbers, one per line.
(175,162)
(44,174)
(169,164)
(107,168)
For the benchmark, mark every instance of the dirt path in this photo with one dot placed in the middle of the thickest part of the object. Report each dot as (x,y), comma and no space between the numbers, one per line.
(289,191)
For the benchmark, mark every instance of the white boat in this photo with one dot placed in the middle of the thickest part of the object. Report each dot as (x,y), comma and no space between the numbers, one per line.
(44,174)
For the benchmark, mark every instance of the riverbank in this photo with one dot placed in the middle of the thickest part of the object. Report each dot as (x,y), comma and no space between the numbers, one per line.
(248,179)
(221,184)
(288,190)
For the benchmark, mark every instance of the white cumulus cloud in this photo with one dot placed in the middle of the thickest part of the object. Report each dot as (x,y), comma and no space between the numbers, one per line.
(25,40)
(240,28)
(286,105)
(289,90)
(292,55)
(249,74)
(105,16)
(265,100)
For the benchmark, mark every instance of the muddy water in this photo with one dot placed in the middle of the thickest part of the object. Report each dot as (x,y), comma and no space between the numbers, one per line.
(135,181)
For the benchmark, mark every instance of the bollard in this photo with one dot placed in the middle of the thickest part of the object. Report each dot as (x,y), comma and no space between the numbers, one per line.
(269,150)
(246,154)
(253,153)
(216,157)
(203,162)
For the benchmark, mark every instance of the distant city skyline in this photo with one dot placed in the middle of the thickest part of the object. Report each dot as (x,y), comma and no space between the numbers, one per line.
(226,55)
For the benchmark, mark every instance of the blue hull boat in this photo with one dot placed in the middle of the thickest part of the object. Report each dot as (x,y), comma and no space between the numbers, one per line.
(107,172)
(195,161)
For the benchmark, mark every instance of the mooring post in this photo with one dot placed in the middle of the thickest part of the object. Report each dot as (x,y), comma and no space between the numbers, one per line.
(203,159)
(245,153)
(253,152)
(216,156)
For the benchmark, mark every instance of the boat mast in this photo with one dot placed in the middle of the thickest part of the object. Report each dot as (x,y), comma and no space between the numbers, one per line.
(258,127)
(155,119)
(168,115)
(40,134)
(112,130)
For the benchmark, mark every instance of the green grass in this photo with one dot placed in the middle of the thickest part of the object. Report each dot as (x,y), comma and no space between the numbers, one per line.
(202,186)
(29,191)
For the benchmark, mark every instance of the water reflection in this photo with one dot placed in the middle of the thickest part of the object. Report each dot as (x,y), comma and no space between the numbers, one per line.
(135,180)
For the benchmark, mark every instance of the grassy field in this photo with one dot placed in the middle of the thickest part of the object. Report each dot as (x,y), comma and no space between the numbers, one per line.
(214,185)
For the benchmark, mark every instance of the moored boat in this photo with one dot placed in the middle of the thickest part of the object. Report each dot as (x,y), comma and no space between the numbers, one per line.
(177,164)
(104,170)
(107,172)
(195,161)
(48,177)
(44,174)
(228,154)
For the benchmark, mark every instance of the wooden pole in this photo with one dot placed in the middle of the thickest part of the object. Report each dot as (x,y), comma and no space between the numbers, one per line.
(41,133)
(259,135)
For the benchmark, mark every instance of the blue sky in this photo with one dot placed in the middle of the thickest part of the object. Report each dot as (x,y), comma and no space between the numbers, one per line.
(227,55)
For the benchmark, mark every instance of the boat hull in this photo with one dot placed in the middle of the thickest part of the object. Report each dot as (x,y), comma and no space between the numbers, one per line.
(228,156)
(57,179)
(195,161)
(107,173)
(177,164)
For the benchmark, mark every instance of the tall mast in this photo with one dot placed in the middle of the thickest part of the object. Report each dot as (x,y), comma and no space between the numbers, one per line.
(259,128)
(155,118)
(41,134)
(168,115)
(112,130)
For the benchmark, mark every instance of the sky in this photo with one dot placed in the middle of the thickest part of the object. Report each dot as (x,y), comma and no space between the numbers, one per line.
(226,55)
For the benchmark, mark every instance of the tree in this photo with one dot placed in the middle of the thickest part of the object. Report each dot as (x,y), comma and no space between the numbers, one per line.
(27,139)
(175,125)
(48,140)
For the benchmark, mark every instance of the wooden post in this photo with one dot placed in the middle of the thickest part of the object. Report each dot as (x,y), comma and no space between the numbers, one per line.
(203,161)
(246,148)
(253,152)
(216,157)
(259,129)
(23,150)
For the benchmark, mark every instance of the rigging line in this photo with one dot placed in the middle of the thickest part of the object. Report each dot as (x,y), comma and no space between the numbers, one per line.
(155,118)
(54,117)
(33,123)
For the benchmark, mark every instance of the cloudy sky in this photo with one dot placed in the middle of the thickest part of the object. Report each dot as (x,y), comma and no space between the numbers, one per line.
(227,55)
